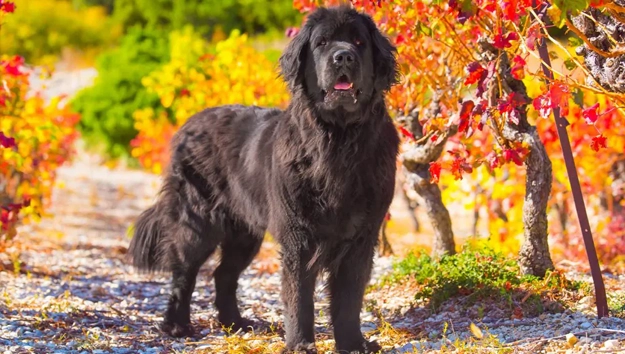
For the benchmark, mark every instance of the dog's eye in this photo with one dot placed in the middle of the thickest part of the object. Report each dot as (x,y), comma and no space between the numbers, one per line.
(358,42)
(322,42)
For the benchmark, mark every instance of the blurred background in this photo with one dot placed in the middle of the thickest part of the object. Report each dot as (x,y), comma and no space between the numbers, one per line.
(92,91)
(114,79)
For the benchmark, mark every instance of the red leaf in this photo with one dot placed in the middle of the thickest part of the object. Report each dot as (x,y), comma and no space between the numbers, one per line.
(482,84)
(590,114)
(184,92)
(542,104)
(599,142)
(465,115)
(435,172)
(6,141)
(8,7)
(491,6)
(12,67)
(510,105)
(388,216)
(460,166)
(406,133)
(557,96)
(560,97)
(518,68)
(502,41)
(481,110)
(512,155)
(476,73)
(508,286)
(509,9)
(493,160)
(533,35)
(598,3)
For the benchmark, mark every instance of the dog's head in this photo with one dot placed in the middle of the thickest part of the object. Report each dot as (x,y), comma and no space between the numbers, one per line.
(339,59)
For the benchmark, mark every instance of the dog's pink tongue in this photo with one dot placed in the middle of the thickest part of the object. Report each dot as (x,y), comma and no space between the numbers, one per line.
(342,86)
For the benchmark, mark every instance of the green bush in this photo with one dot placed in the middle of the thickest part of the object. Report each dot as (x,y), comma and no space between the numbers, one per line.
(40,29)
(250,16)
(108,105)
(477,272)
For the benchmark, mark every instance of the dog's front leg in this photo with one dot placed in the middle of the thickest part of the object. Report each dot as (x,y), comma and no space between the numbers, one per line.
(298,286)
(347,284)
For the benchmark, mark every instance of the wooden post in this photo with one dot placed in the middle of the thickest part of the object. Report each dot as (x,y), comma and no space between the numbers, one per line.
(578,198)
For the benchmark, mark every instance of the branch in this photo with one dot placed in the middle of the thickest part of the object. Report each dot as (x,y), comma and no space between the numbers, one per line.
(582,36)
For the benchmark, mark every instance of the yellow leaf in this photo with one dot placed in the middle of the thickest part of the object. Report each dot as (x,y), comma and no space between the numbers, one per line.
(167,99)
(571,339)
(476,331)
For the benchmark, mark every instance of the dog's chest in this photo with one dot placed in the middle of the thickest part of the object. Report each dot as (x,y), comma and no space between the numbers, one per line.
(343,205)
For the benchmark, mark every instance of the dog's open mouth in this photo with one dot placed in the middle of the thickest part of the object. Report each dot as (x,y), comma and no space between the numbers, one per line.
(343,84)
(343,88)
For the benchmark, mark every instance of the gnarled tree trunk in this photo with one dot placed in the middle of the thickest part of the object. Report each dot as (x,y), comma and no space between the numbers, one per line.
(416,164)
(604,41)
(534,257)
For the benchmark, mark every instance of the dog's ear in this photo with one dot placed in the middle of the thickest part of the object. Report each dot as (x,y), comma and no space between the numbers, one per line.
(384,58)
(293,58)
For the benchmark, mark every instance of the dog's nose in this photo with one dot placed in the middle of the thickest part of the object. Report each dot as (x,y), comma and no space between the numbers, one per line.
(343,57)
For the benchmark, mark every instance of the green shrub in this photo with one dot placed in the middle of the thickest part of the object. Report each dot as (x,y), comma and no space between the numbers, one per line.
(108,105)
(40,29)
(250,16)
(477,272)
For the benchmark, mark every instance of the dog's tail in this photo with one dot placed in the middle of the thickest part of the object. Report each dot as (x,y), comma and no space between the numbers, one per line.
(147,248)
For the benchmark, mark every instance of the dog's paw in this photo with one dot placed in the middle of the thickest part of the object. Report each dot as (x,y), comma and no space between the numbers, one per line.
(372,347)
(246,325)
(177,330)
(367,347)
(301,348)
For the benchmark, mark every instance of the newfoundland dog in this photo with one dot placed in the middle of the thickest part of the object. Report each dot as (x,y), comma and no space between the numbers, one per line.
(318,176)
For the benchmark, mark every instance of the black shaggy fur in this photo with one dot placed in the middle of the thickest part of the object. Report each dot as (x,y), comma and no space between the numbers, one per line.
(318,176)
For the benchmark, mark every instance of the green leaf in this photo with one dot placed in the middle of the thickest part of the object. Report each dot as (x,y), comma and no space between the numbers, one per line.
(570,64)
(421,28)
(553,55)
(578,97)
(575,41)
(574,6)
(556,16)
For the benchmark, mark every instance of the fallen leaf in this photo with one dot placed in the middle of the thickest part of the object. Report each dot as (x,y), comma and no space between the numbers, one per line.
(571,339)
(476,331)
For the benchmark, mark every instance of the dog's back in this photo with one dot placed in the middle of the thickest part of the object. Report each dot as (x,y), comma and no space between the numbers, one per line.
(213,177)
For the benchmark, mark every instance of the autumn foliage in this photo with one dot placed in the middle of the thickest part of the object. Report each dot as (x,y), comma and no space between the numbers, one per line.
(197,77)
(442,48)
(36,137)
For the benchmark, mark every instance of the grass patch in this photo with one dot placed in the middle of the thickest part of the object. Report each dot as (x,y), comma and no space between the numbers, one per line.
(616,303)
(478,273)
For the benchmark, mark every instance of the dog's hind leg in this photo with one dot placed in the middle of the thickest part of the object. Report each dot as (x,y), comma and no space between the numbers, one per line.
(237,251)
(189,252)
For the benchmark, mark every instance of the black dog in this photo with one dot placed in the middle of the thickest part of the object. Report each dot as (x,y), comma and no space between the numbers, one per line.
(318,176)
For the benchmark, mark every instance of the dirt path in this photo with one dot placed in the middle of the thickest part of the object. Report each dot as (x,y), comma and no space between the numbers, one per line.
(75,292)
